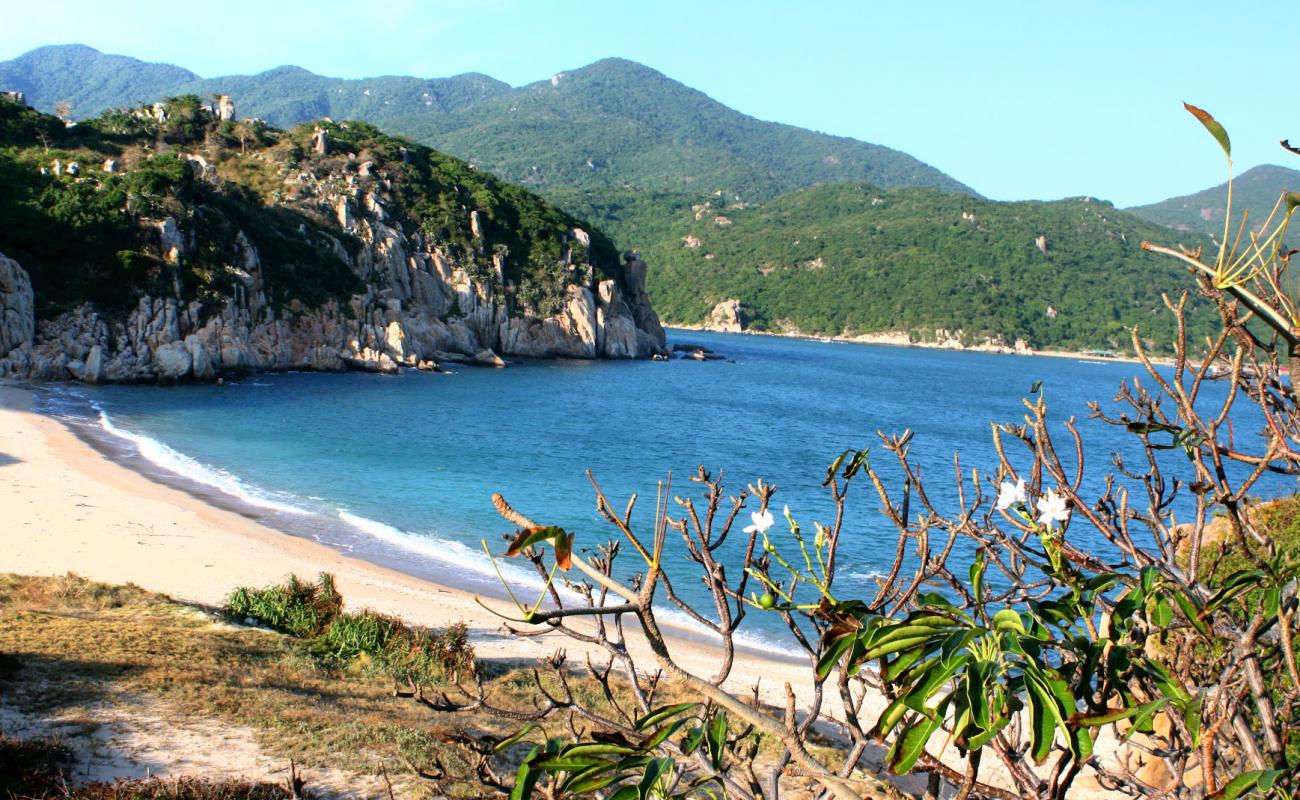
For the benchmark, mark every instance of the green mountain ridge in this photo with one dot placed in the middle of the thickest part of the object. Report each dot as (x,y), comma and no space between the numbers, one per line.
(93,82)
(1255,191)
(850,259)
(614,123)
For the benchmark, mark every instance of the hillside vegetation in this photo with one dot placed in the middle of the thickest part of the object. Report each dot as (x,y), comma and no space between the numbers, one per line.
(1255,191)
(855,258)
(88,232)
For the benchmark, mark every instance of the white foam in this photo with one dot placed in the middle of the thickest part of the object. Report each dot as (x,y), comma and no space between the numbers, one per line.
(164,457)
(455,554)
(443,551)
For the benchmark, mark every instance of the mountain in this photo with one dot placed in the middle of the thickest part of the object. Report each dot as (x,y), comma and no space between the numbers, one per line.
(852,259)
(88,79)
(617,123)
(93,82)
(614,123)
(1255,191)
(170,243)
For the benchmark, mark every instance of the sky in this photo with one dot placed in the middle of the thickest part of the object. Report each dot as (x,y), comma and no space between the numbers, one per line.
(1019,100)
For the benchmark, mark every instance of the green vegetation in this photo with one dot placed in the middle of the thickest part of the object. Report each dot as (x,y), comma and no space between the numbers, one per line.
(608,125)
(90,234)
(616,124)
(1254,191)
(855,258)
(314,612)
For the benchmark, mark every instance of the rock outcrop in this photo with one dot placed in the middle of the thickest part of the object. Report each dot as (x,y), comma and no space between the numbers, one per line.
(17,309)
(420,307)
(728,317)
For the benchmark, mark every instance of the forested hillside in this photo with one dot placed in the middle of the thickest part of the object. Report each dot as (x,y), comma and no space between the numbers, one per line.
(855,258)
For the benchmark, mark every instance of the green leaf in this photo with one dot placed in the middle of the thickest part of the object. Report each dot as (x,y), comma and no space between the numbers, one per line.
(563,543)
(526,778)
(910,744)
(1008,620)
(832,655)
(1041,721)
(624,793)
(513,738)
(1248,782)
(1191,610)
(1192,718)
(663,733)
(591,780)
(1161,613)
(598,749)
(660,714)
(565,763)
(978,742)
(977,577)
(692,741)
(1292,200)
(1212,125)
(655,771)
(931,681)
(902,665)
(717,738)
(1117,714)
(1235,585)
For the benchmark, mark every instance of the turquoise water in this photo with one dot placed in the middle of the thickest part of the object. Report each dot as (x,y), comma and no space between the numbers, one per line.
(401,469)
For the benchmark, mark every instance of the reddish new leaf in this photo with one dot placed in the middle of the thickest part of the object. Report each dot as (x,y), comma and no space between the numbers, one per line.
(1212,125)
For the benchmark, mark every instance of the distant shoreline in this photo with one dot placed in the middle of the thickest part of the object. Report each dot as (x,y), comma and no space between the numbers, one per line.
(902,339)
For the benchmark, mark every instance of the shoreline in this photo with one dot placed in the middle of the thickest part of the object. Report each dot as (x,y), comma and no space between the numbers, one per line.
(896,339)
(73,508)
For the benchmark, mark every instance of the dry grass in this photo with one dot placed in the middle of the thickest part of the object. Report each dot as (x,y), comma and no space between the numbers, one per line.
(68,645)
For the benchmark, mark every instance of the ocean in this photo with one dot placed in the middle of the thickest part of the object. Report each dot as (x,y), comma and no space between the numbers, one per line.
(400,470)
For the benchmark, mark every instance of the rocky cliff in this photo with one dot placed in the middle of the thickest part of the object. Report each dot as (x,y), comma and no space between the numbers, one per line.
(345,249)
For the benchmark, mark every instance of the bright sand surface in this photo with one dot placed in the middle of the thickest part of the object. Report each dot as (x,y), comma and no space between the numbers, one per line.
(65,507)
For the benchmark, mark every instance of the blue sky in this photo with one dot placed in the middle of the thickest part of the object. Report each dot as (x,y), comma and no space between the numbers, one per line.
(1017,99)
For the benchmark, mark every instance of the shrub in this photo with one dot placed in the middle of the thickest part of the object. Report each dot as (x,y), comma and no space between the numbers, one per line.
(294,607)
(314,612)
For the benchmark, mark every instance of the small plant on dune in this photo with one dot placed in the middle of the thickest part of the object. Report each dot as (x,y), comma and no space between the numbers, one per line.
(314,612)
(294,607)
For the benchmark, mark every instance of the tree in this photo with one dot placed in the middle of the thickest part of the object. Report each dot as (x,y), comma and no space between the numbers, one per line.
(63,110)
(1001,671)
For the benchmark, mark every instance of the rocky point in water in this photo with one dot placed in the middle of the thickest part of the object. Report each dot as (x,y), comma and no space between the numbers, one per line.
(330,247)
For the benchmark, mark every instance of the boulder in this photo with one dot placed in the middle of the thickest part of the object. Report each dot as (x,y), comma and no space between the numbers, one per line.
(225,108)
(172,361)
(17,306)
(93,369)
(728,317)
(487,358)
(201,361)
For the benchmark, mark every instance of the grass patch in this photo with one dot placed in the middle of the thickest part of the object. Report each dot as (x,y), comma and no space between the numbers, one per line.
(314,612)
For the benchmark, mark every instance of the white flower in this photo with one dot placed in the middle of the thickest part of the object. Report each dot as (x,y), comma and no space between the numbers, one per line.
(1009,494)
(762,521)
(1051,508)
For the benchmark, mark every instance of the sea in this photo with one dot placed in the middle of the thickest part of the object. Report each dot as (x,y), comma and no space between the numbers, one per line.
(400,469)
